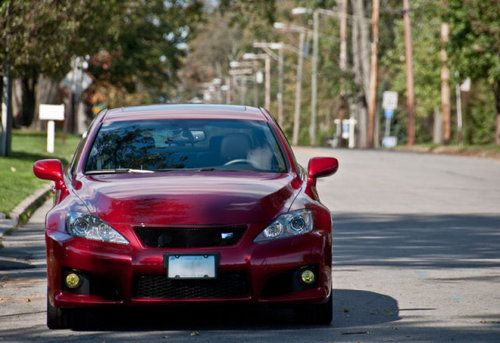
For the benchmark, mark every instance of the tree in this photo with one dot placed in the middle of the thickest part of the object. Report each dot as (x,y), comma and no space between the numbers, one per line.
(475,43)
(426,23)
(146,44)
(41,37)
(144,40)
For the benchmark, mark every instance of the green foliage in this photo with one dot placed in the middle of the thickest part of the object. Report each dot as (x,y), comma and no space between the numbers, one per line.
(42,36)
(475,38)
(16,172)
(136,45)
(146,43)
(426,67)
(479,114)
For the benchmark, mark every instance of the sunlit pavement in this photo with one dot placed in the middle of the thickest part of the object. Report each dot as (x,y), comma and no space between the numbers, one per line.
(416,258)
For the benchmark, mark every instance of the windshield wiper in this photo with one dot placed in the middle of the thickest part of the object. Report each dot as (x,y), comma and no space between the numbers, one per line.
(119,171)
(220,169)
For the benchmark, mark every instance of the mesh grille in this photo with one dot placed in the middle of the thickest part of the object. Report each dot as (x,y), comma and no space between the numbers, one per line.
(227,285)
(189,237)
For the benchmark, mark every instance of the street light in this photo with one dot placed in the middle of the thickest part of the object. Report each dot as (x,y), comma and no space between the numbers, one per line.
(279,25)
(268,47)
(298,87)
(301,10)
(267,61)
(239,64)
(241,74)
(314,76)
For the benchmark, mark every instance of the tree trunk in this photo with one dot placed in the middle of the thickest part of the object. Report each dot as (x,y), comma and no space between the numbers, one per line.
(360,69)
(497,103)
(28,101)
(47,92)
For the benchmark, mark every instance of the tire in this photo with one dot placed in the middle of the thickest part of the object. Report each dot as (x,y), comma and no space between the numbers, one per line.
(316,314)
(58,318)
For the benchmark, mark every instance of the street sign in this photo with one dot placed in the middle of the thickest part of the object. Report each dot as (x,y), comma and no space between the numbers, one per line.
(390,100)
(259,77)
(465,86)
(389,104)
(51,113)
(388,114)
(390,142)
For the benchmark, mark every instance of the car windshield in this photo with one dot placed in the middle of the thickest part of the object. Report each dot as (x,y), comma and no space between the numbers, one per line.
(161,145)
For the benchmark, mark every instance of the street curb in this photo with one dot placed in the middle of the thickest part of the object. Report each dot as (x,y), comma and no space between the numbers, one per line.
(22,212)
(450,151)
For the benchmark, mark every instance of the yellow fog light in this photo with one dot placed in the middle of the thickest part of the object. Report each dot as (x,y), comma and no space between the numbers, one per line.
(307,277)
(72,280)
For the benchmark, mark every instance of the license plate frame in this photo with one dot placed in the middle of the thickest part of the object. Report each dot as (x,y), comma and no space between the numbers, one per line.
(203,266)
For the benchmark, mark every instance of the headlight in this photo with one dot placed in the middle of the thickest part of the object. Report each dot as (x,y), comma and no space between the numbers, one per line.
(286,225)
(90,227)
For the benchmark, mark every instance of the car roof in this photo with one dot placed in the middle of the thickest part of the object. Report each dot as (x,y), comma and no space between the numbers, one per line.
(185,111)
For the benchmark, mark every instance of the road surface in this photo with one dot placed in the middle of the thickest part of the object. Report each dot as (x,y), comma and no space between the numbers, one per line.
(416,258)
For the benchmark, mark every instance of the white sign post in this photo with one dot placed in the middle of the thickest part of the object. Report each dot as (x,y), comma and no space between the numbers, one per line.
(51,113)
(389,104)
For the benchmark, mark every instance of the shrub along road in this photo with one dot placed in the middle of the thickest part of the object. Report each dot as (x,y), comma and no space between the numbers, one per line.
(416,258)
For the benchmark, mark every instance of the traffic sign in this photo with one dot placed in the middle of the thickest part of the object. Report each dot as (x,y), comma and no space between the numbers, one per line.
(51,113)
(390,100)
(388,114)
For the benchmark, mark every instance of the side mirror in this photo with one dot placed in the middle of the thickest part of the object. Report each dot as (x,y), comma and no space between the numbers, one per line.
(50,170)
(319,167)
(322,166)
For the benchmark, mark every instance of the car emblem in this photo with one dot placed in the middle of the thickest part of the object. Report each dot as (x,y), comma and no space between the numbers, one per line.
(226,235)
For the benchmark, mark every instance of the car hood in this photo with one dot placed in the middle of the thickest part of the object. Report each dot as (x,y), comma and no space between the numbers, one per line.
(227,198)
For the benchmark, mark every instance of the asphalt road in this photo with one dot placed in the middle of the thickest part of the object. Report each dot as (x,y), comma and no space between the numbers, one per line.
(416,259)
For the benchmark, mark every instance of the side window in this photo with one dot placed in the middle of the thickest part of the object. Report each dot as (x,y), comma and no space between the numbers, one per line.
(79,149)
(287,143)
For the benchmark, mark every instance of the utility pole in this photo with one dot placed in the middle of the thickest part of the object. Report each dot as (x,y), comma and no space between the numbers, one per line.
(410,94)
(228,90)
(460,127)
(280,87)
(298,83)
(6,117)
(361,68)
(267,68)
(343,61)
(268,48)
(6,105)
(267,99)
(445,81)
(314,79)
(314,75)
(298,89)
(372,105)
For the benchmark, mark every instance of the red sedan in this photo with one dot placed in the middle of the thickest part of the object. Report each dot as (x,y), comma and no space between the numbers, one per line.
(173,204)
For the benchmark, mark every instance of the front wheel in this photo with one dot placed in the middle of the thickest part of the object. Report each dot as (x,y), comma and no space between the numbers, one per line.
(58,318)
(316,314)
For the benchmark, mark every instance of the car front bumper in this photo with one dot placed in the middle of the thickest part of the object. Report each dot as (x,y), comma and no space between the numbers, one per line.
(129,275)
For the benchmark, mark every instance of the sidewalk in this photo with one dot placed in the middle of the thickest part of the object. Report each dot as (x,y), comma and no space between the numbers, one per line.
(22,212)
(5,224)
(23,273)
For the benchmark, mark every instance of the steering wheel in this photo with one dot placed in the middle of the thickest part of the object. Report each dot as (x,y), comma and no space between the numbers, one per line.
(236,161)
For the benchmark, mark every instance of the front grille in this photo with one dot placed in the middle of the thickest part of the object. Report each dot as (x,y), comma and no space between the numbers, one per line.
(226,285)
(190,237)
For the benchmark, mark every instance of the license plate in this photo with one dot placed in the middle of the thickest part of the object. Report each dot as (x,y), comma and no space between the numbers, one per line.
(191,266)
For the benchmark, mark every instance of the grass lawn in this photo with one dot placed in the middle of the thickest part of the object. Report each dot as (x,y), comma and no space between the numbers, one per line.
(16,176)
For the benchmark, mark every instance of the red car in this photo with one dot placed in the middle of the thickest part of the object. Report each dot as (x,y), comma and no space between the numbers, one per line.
(171,204)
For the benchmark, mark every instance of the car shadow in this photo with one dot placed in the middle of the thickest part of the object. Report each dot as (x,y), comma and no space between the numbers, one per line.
(351,308)
(463,241)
